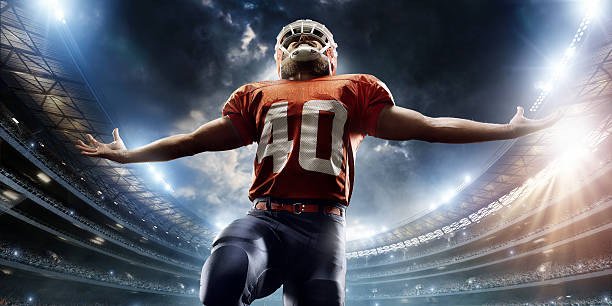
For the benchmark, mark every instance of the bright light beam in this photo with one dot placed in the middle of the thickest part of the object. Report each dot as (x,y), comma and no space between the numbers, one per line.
(590,8)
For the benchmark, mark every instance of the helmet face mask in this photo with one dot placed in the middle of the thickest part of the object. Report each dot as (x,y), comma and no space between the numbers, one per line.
(312,29)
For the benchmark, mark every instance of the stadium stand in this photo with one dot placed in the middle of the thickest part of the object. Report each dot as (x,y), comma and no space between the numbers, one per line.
(533,228)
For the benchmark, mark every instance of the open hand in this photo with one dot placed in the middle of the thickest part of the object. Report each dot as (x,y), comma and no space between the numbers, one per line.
(114,151)
(520,125)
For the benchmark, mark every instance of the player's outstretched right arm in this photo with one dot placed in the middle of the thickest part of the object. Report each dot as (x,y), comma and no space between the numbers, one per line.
(216,135)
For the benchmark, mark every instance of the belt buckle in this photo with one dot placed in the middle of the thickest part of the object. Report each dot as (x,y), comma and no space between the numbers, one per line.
(295,210)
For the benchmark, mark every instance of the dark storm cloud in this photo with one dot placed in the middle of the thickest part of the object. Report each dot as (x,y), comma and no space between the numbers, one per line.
(165,63)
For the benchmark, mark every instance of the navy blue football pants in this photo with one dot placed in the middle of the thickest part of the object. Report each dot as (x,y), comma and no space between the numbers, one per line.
(254,255)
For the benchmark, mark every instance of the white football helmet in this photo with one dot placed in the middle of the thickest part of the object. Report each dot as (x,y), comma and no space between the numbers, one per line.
(293,31)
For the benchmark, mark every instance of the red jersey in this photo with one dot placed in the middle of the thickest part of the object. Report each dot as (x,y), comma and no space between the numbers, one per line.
(307,132)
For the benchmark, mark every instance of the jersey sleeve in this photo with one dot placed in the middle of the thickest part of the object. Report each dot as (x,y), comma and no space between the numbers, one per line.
(375,97)
(237,108)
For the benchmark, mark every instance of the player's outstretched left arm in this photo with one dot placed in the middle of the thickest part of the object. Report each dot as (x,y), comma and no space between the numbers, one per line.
(398,123)
(216,135)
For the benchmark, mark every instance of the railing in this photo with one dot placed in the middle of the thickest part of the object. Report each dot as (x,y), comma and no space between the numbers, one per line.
(474,235)
(41,224)
(598,266)
(28,260)
(56,207)
(73,183)
(541,231)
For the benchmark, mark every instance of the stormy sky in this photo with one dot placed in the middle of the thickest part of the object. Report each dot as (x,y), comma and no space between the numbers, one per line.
(167,67)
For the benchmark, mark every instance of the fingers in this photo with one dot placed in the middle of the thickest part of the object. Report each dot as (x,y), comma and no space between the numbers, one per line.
(116,134)
(93,142)
(520,111)
(87,149)
(90,153)
(548,121)
(82,146)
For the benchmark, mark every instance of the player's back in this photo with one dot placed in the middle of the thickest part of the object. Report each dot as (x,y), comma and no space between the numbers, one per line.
(307,132)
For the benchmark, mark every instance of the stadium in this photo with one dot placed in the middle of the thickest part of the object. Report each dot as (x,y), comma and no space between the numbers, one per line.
(534,227)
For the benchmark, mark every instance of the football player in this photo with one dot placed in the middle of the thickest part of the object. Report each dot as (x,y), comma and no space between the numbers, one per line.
(307,126)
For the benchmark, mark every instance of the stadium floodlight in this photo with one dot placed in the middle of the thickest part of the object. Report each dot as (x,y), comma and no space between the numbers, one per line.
(558,69)
(11,195)
(30,299)
(543,85)
(59,14)
(160,178)
(97,240)
(56,9)
(467,178)
(119,225)
(449,195)
(15,120)
(590,8)
(16,253)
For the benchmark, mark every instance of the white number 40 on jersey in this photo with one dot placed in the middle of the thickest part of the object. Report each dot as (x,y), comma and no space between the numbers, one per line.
(275,125)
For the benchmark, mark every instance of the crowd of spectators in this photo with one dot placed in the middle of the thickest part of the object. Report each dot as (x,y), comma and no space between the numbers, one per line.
(99,230)
(520,206)
(55,263)
(490,280)
(77,181)
(473,234)
(562,301)
(356,275)
(76,299)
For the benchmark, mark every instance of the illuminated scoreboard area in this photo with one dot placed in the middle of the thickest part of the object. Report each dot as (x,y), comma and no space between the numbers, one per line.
(534,227)
(74,229)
